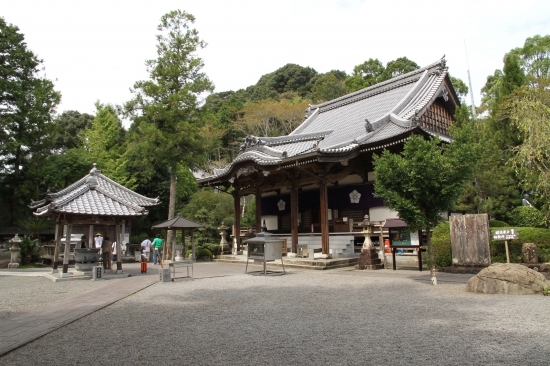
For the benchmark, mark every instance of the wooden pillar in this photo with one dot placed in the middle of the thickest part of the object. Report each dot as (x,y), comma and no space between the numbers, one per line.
(67,249)
(193,246)
(258,210)
(323,208)
(118,246)
(91,243)
(294,217)
(58,236)
(174,236)
(183,242)
(237,216)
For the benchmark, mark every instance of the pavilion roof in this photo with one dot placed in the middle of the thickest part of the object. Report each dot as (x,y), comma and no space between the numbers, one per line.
(177,223)
(368,117)
(94,194)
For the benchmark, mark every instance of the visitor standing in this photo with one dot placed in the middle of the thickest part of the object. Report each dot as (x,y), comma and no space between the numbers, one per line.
(113,252)
(106,253)
(157,244)
(98,240)
(146,249)
(83,244)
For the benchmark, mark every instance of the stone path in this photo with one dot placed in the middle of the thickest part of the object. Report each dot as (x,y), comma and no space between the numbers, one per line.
(26,327)
(23,328)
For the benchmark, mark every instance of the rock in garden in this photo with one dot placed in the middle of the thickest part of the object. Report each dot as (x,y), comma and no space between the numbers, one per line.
(508,278)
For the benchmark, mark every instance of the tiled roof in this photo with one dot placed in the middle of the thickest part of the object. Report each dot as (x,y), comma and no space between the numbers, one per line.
(352,122)
(95,194)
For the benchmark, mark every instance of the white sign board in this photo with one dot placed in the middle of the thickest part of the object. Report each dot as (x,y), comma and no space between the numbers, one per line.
(505,234)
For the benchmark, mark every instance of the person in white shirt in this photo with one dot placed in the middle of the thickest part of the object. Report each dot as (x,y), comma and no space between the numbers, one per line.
(146,249)
(98,241)
(113,251)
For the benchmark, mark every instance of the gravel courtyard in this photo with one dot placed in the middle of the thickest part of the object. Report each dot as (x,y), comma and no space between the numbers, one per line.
(340,317)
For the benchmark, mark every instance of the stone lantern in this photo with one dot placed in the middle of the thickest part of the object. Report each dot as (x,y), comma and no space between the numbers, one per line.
(223,242)
(15,252)
(368,259)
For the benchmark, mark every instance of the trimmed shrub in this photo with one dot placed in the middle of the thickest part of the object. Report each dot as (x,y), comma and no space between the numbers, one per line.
(497,223)
(199,252)
(527,216)
(441,245)
(539,236)
(214,249)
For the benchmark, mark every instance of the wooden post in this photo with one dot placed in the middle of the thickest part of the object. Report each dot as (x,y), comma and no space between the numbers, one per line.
(323,208)
(294,217)
(67,249)
(58,236)
(173,246)
(258,210)
(183,242)
(237,216)
(118,246)
(193,246)
(91,243)
(507,251)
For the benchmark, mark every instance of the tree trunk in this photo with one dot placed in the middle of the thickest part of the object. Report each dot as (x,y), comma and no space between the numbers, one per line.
(431,254)
(172,206)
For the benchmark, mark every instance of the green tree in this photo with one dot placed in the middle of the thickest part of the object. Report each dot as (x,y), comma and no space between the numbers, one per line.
(67,129)
(424,180)
(167,129)
(364,75)
(27,104)
(529,110)
(105,141)
(397,67)
(327,87)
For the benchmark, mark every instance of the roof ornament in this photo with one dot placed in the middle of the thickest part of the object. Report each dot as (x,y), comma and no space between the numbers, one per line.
(246,171)
(317,142)
(91,181)
(250,141)
(308,112)
(266,173)
(368,126)
(445,94)
(416,120)
(441,66)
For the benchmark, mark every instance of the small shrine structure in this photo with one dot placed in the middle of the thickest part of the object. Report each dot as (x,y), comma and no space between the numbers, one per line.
(97,203)
(312,184)
(175,224)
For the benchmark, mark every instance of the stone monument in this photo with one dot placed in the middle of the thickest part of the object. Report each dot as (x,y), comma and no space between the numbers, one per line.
(530,253)
(368,259)
(15,252)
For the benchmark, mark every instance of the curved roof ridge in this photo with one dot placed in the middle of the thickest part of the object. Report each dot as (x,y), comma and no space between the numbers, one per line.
(422,103)
(273,141)
(105,192)
(307,122)
(153,201)
(381,85)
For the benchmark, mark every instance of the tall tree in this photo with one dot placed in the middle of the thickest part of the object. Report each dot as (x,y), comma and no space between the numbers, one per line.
(105,141)
(27,104)
(68,127)
(166,126)
(424,181)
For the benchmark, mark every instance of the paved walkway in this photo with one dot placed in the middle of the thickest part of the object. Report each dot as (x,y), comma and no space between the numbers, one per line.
(26,327)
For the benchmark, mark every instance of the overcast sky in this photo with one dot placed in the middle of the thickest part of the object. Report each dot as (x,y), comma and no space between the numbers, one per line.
(96,50)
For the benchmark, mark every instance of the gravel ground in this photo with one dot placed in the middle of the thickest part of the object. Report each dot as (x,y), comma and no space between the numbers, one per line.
(21,294)
(302,318)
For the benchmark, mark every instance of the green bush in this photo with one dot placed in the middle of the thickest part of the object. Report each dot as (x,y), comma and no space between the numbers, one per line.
(199,252)
(214,249)
(497,223)
(441,245)
(539,236)
(137,239)
(527,216)
(30,250)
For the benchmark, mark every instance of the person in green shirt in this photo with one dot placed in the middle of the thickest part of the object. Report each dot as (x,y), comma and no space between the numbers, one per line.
(157,244)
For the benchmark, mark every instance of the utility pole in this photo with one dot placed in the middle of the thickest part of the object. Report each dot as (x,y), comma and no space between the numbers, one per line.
(470,82)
